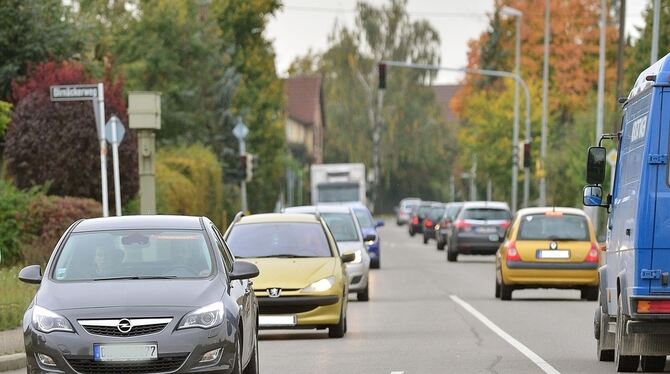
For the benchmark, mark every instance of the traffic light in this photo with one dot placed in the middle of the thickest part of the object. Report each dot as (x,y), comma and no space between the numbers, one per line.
(249,167)
(243,167)
(526,155)
(382,75)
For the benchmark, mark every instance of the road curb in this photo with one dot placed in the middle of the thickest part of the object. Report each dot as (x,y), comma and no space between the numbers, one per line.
(12,362)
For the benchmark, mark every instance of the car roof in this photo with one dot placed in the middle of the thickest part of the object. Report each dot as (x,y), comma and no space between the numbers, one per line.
(431,203)
(278,217)
(148,222)
(542,210)
(321,208)
(454,203)
(485,204)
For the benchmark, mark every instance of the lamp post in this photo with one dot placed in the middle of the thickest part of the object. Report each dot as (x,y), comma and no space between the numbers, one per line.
(512,12)
(545,88)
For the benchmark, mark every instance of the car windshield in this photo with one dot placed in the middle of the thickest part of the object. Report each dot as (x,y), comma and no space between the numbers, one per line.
(436,213)
(554,227)
(134,254)
(279,239)
(364,218)
(342,226)
(486,214)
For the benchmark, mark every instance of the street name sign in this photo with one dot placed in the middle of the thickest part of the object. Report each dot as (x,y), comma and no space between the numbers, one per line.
(77,92)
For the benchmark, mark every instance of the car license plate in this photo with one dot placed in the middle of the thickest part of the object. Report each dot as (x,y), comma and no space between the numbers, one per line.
(486,230)
(494,238)
(125,352)
(276,321)
(553,254)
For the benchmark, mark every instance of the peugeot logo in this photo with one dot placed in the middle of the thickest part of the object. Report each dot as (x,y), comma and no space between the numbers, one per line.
(553,245)
(274,292)
(124,326)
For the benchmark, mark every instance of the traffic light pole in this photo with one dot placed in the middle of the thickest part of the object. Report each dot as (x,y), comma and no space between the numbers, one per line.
(243,182)
(515,132)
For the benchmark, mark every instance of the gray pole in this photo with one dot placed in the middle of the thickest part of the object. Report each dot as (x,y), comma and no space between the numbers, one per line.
(515,131)
(452,188)
(601,87)
(103,149)
(545,104)
(654,32)
(115,161)
(243,183)
(473,179)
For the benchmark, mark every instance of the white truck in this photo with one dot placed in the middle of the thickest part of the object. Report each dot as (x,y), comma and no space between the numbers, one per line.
(338,183)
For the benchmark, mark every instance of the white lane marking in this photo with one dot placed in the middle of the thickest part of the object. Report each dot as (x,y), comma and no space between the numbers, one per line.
(537,360)
(397,372)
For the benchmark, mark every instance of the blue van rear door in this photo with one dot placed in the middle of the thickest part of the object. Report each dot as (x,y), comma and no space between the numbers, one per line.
(658,167)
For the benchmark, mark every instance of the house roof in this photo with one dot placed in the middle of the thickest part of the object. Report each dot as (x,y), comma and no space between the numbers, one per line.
(303,98)
(443,95)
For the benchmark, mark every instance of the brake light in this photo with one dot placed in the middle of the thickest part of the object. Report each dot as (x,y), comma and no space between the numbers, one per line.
(512,253)
(428,222)
(505,225)
(592,256)
(461,225)
(653,306)
(415,220)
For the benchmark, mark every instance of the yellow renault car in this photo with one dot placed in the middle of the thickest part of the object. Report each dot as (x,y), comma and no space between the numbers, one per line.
(548,248)
(303,279)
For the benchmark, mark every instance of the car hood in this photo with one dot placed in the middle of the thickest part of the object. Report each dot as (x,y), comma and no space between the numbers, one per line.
(130,293)
(292,273)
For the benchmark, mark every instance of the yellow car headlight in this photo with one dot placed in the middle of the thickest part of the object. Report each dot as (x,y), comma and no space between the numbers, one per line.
(320,286)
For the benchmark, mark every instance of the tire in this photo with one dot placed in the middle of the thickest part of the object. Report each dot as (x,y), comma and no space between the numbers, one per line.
(505,291)
(425,239)
(411,232)
(452,254)
(376,264)
(364,295)
(601,325)
(497,289)
(253,366)
(440,245)
(621,362)
(652,363)
(237,369)
(590,293)
(338,331)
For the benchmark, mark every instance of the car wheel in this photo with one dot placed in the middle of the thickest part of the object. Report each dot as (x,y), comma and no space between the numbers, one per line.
(497,289)
(375,264)
(237,369)
(590,293)
(623,363)
(505,291)
(425,239)
(440,245)
(364,295)
(338,331)
(601,330)
(253,366)
(652,363)
(411,232)
(452,253)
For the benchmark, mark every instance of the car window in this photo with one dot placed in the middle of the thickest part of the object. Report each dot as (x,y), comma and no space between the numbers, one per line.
(134,253)
(452,212)
(342,226)
(553,227)
(364,218)
(279,239)
(225,252)
(435,213)
(423,210)
(486,214)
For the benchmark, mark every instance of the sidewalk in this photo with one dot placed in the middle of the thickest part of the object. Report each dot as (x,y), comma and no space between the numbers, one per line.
(11,350)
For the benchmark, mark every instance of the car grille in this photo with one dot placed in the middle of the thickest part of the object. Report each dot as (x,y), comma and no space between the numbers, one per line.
(136,330)
(160,365)
(285,309)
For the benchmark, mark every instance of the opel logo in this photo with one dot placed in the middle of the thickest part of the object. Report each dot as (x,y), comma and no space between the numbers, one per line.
(553,245)
(124,326)
(274,292)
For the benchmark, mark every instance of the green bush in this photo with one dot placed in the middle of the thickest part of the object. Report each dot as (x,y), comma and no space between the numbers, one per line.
(46,219)
(189,181)
(13,204)
(14,298)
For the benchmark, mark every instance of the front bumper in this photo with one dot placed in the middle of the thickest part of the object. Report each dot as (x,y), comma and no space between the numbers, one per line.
(357,274)
(179,351)
(309,311)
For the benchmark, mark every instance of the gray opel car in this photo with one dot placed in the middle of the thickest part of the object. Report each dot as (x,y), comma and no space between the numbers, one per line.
(142,294)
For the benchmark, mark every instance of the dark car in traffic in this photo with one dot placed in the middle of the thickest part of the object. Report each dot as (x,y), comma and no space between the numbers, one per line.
(479,229)
(432,218)
(142,294)
(444,225)
(418,214)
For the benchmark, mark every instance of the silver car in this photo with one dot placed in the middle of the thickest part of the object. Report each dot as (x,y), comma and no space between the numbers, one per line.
(349,237)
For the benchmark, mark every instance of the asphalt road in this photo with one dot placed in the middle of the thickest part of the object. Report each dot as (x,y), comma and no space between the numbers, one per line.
(413,325)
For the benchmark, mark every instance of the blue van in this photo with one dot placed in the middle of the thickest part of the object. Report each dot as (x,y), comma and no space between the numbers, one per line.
(632,321)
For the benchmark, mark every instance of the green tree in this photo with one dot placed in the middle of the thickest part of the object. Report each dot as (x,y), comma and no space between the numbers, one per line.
(639,55)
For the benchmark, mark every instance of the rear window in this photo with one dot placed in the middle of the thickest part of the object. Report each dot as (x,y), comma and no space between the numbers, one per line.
(424,210)
(486,214)
(436,213)
(558,227)
(342,226)
(290,239)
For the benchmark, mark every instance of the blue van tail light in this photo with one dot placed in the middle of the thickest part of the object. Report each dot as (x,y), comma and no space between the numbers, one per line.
(653,306)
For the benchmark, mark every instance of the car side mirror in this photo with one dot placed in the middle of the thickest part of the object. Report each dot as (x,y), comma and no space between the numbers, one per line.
(244,270)
(595,165)
(31,274)
(593,196)
(379,224)
(370,238)
(348,257)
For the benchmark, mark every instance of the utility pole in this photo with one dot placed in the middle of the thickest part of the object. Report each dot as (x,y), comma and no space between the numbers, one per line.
(619,59)
(545,105)
(654,32)
(600,113)
(241,131)
(473,179)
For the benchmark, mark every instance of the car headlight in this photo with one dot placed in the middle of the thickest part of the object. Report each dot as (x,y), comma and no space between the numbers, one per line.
(47,321)
(320,286)
(358,257)
(204,318)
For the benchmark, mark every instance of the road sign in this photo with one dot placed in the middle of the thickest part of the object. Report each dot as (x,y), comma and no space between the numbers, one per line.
(240,131)
(611,157)
(120,129)
(76,92)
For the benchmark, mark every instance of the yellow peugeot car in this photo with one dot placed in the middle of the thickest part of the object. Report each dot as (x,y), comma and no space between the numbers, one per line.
(303,279)
(548,248)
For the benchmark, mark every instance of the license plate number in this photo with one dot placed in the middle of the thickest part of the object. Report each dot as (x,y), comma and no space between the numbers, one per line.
(553,254)
(494,238)
(276,321)
(125,352)
(486,230)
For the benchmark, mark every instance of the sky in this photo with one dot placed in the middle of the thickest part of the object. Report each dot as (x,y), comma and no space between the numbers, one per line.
(305,24)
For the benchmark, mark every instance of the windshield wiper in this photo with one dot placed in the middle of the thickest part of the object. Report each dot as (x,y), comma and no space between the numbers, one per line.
(284,256)
(137,277)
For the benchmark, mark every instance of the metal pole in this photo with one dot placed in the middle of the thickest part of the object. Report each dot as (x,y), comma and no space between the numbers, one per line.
(473,179)
(654,32)
(452,188)
(103,149)
(601,87)
(243,183)
(115,161)
(545,104)
(489,190)
(515,131)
